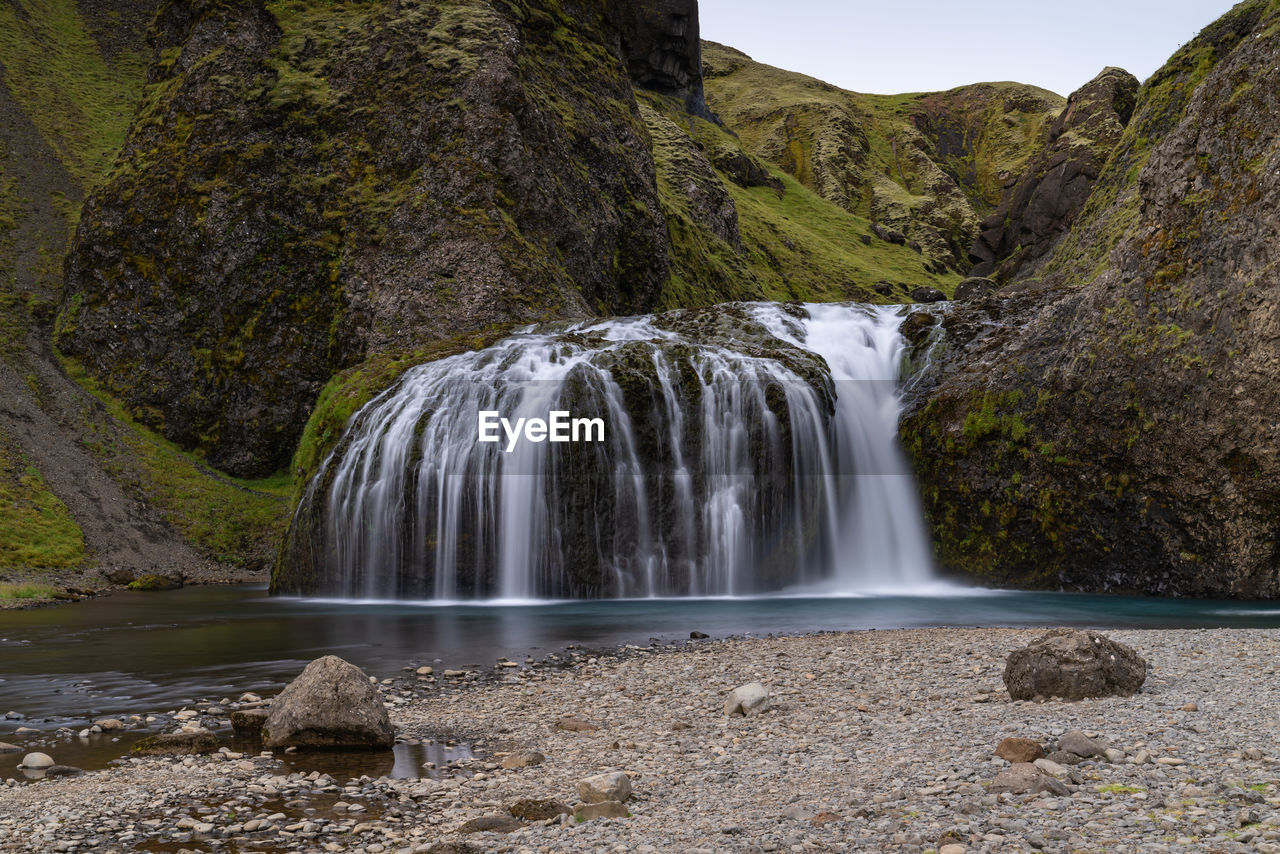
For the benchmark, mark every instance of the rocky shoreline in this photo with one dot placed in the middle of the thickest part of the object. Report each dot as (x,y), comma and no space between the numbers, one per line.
(875,741)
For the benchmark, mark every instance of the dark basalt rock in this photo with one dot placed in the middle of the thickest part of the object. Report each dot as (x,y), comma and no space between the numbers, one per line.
(1073,665)
(1054,189)
(663,49)
(247,723)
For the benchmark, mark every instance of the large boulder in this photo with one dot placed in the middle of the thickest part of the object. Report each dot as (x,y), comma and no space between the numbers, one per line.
(331,705)
(1073,664)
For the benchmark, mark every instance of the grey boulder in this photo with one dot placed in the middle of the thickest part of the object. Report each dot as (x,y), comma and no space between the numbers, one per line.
(331,705)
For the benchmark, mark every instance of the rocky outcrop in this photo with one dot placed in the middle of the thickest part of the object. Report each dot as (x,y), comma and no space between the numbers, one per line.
(1073,665)
(1045,201)
(923,168)
(331,705)
(663,50)
(1111,424)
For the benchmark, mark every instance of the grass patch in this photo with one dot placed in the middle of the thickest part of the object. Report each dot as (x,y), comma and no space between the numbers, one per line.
(80,102)
(231,520)
(36,529)
(1119,789)
(30,592)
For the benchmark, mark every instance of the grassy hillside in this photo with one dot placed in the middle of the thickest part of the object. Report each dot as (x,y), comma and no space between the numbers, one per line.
(928,165)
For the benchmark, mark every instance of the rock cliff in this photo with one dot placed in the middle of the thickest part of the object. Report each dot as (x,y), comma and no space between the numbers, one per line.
(1111,420)
(1046,199)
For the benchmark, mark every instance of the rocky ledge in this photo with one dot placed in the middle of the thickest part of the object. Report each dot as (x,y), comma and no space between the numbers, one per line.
(852,752)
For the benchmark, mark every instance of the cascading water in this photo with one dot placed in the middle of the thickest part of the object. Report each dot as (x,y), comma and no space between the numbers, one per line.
(746,449)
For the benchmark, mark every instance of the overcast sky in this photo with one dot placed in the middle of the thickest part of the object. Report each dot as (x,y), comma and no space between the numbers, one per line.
(893,46)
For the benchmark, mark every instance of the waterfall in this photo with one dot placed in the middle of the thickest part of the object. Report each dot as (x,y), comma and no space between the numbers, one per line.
(745,449)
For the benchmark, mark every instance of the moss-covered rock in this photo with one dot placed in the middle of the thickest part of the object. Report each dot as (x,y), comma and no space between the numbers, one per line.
(1110,422)
(308,183)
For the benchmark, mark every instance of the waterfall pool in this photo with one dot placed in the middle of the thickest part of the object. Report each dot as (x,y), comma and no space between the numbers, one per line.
(136,653)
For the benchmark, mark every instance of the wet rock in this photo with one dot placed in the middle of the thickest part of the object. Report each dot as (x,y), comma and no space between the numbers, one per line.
(698,636)
(109,724)
(248,722)
(975,287)
(120,575)
(176,744)
(37,761)
(522,759)
(155,582)
(1081,745)
(602,809)
(330,705)
(63,771)
(5,747)
(610,786)
(1017,750)
(928,295)
(1025,778)
(538,809)
(491,824)
(1073,664)
(747,700)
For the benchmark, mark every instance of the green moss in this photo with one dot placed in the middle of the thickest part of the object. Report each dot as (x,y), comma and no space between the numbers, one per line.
(232,520)
(36,529)
(351,389)
(154,582)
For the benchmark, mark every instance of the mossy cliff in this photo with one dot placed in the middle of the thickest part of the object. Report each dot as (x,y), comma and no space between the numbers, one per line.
(1109,421)
(310,184)
(82,488)
(922,168)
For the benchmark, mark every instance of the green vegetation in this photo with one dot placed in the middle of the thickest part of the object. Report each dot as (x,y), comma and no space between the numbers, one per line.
(1119,789)
(30,592)
(55,69)
(36,530)
(351,389)
(153,582)
(234,521)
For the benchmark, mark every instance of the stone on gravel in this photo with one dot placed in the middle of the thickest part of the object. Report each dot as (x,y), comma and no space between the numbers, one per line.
(1025,778)
(109,724)
(602,809)
(609,786)
(572,724)
(5,747)
(176,744)
(1015,750)
(248,723)
(37,761)
(1113,755)
(1081,745)
(750,699)
(952,848)
(63,771)
(1053,769)
(330,705)
(492,824)
(523,759)
(453,848)
(538,809)
(1073,664)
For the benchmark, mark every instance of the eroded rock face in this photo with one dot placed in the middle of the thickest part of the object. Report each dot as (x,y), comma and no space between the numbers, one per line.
(1112,422)
(1074,665)
(330,705)
(1046,200)
(663,48)
(296,194)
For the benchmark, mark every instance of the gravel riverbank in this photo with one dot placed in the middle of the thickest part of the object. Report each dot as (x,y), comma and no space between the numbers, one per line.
(876,741)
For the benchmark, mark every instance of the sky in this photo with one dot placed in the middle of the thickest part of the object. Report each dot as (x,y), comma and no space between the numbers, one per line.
(894,46)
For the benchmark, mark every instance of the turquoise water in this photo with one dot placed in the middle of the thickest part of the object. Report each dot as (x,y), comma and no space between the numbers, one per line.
(146,652)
